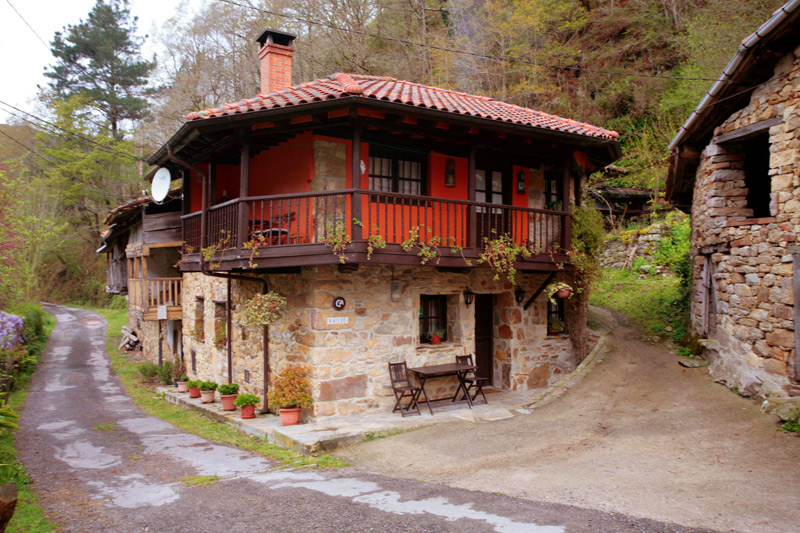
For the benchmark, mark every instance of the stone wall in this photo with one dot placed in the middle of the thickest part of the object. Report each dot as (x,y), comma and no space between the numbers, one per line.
(742,288)
(148,334)
(622,250)
(349,360)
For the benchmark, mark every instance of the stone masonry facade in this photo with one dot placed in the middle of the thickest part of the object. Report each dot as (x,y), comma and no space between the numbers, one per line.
(379,324)
(742,287)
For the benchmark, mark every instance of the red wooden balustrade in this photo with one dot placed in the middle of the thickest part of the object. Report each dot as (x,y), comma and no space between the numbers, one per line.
(311,218)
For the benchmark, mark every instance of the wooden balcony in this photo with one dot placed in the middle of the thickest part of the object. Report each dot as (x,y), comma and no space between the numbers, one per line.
(148,294)
(299,229)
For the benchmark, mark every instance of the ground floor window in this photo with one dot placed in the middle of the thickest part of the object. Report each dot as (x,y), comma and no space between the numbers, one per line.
(198,330)
(432,317)
(555,317)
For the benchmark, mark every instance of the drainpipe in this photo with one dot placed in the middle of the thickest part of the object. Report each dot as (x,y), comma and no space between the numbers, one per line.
(229,331)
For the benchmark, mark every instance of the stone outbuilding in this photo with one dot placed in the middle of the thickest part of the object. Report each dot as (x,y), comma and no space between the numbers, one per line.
(367,202)
(736,164)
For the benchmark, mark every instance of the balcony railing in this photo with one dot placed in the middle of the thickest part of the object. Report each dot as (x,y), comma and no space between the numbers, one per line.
(298,220)
(154,292)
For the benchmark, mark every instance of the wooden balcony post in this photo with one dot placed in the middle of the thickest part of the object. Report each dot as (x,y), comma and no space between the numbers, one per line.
(204,206)
(566,220)
(355,154)
(472,235)
(243,229)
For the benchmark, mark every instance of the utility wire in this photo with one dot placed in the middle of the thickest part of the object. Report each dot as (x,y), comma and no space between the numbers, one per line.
(34,152)
(105,147)
(455,51)
(28,25)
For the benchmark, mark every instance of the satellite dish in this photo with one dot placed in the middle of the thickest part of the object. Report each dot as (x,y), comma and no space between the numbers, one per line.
(160,186)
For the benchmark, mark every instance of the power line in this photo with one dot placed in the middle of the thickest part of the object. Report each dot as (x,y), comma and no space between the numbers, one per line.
(462,52)
(28,25)
(105,147)
(34,152)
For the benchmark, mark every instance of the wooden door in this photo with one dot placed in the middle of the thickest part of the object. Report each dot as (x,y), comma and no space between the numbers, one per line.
(489,185)
(484,335)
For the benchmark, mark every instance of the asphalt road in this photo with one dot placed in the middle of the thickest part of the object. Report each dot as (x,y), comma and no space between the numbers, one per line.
(101,464)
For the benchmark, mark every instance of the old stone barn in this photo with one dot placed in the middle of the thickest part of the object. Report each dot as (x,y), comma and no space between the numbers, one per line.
(736,162)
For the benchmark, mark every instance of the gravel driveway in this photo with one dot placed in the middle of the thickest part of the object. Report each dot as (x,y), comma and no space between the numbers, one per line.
(639,435)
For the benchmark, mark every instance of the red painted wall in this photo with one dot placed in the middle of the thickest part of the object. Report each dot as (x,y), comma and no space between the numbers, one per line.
(520,199)
(228,177)
(437,166)
(283,169)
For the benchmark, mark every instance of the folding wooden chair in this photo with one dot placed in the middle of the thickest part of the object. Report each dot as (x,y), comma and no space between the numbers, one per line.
(402,388)
(471,380)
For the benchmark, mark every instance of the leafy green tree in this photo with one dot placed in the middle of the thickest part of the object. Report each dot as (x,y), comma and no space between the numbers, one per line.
(100,58)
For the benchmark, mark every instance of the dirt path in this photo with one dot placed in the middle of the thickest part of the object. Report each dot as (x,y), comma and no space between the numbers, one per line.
(639,435)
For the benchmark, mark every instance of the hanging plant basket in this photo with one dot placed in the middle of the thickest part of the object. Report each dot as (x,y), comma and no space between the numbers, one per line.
(264,309)
(557,289)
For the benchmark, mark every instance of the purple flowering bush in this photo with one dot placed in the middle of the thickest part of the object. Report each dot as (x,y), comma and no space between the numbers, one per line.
(10,331)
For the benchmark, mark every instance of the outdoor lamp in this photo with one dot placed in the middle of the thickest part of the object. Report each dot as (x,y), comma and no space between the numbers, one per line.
(469,296)
(519,294)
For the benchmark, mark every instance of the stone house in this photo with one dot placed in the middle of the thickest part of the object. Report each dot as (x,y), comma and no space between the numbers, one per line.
(142,246)
(292,190)
(736,164)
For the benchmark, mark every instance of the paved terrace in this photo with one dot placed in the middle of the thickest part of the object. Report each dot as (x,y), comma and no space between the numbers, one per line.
(325,435)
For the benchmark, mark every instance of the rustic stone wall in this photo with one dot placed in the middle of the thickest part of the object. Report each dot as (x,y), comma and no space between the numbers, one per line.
(349,360)
(751,286)
(622,250)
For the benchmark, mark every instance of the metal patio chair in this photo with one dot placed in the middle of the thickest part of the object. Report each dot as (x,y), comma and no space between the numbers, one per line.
(471,380)
(402,388)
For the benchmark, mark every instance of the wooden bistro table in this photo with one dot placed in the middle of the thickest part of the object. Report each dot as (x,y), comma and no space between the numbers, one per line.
(460,370)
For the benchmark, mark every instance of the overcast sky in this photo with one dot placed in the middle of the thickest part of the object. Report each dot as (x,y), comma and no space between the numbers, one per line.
(23,57)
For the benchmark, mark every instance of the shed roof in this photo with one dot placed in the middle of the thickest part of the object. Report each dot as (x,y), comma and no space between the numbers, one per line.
(752,65)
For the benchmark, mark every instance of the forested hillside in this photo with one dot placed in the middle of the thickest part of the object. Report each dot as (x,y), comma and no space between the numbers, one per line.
(637,66)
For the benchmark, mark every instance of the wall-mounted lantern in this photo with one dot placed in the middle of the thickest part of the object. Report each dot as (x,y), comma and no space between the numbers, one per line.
(521,182)
(519,294)
(450,173)
(469,297)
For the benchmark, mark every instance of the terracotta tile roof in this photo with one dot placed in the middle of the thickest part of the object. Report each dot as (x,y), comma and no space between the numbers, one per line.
(404,92)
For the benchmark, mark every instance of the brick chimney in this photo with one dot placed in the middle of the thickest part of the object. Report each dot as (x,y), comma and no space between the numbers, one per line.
(276,60)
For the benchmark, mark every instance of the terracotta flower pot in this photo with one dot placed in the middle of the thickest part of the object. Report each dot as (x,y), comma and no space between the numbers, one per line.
(249,411)
(182,386)
(227,401)
(194,392)
(436,339)
(208,395)
(291,416)
(563,292)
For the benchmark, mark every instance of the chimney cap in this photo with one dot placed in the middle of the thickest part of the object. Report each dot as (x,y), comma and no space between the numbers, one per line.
(277,37)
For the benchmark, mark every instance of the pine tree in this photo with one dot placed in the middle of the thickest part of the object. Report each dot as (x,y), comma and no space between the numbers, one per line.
(100,58)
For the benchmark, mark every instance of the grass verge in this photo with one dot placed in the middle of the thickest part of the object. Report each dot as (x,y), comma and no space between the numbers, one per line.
(144,396)
(653,302)
(28,515)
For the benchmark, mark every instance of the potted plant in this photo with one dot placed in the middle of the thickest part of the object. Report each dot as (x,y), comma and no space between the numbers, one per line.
(263,309)
(227,394)
(208,390)
(290,393)
(555,325)
(194,388)
(183,383)
(248,403)
(559,289)
(436,336)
